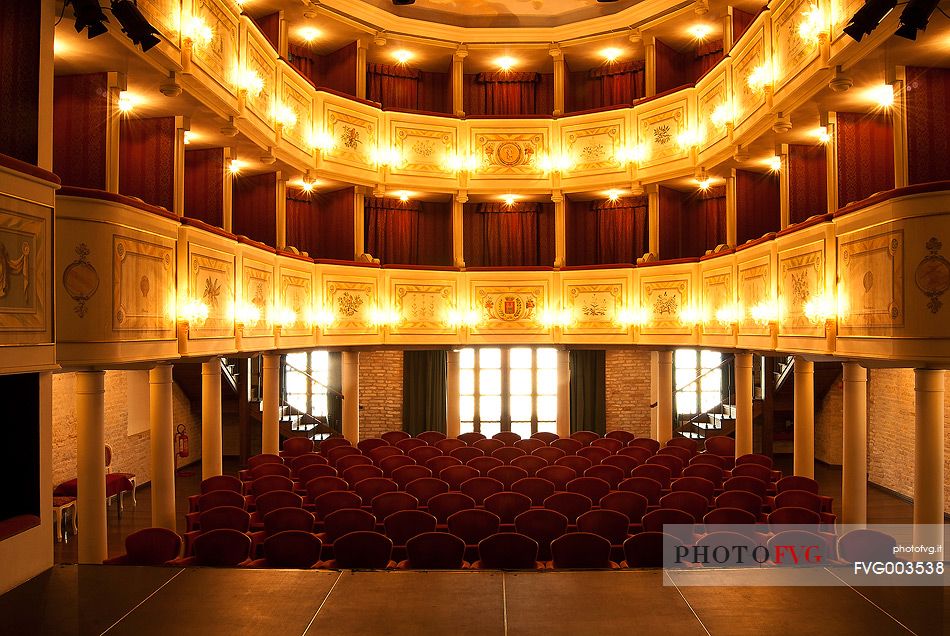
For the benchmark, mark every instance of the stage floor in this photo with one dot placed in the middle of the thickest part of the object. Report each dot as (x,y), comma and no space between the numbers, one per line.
(115,600)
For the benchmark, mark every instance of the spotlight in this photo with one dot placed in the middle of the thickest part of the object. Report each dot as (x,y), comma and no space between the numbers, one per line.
(868,17)
(400,3)
(88,13)
(915,17)
(134,24)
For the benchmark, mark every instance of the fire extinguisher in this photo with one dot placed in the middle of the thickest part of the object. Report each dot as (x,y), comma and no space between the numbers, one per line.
(181,441)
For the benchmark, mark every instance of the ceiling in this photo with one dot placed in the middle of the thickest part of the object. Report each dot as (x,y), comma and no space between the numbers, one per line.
(503,13)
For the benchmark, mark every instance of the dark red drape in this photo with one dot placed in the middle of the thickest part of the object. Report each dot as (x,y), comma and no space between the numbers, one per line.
(338,70)
(619,83)
(672,68)
(204,185)
(147,160)
(670,211)
(807,181)
(254,207)
(19,79)
(741,20)
(496,235)
(758,208)
(301,228)
(706,57)
(928,124)
(691,223)
(504,93)
(408,233)
(865,155)
(80,117)
(407,88)
(304,60)
(604,232)
(270,26)
(321,225)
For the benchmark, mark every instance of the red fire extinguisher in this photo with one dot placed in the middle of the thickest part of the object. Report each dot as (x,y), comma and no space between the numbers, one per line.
(181,441)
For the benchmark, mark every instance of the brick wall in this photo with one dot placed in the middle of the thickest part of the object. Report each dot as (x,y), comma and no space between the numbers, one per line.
(380,392)
(130,453)
(628,382)
(828,425)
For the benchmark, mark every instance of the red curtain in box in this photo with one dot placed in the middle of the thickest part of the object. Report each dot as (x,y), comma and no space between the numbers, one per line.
(690,223)
(304,60)
(254,207)
(147,160)
(865,156)
(301,228)
(80,118)
(927,98)
(270,26)
(807,181)
(204,185)
(408,233)
(506,93)
(393,86)
(604,232)
(706,57)
(20,79)
(338,70)
(741,20)
(670,211)
(758,208)
(672,68)
(618,83)
(321,225)
(496,235)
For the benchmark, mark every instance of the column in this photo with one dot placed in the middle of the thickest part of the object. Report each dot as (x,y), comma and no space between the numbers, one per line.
(270,429)
(361,69)
(281,210)
(162,446)
(727,33)
(560,229)
(831,161)
(359,230)
(182,124)
(563,393)
(854,449)
(211,418)
(898,114)
(458,80)
(664,397)
(653,221)
(928,456)
(654,391)
(117,84)
(555,52)
(458,238)
(453,419)
(227,201)
(90,466)
(649,52)
(351,396)
(743,404)
(783,188)
(804,423)
(732,210)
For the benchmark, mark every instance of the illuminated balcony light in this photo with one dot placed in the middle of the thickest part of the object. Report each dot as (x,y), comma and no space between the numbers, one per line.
(690,316)
(550,318)
(635,316)
(308,34)
(402,56)
(189,137)
(882,95)
(774,163)
(285,116)
(235,166)
(611,54)
(127,102)
(247,314)
(384,316)
(285,317)
(700,31)
(197,32)
(760,78)
(456,318)
(722,115)
(614,195)
(505,63)
(818,309)
(764,312)
(813,23)
(248,80)
(193,312)
(822,134)
(509,199)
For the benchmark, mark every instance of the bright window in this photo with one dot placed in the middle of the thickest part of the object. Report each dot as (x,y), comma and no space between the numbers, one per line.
(306,376)
(697,396)
(510,389)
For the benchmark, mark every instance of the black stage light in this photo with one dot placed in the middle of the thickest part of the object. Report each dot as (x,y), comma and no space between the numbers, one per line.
(134,24)
(401,3)
(606,0)
(915,17)
(868,17)
(89,15)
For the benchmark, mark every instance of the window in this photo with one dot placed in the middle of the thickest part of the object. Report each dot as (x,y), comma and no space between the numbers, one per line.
(692,396)
(508,390)
(306,376)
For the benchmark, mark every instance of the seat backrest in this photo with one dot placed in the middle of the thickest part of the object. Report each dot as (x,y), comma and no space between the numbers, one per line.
(695,504)
(455,475)
(435,551)
(277,499)
(442,506)
(368,444)
(470,438)
(488,445)
(431,437)
(425,488)
(530,463)
(585,437)
(507,505)
(656,520)
(478,488)
(741,499)
(507,438)
(535,488)
(609,524)
(632,505)
(636,452)
(347,520)
(507,475)
(793,515)
(728,516)
(449,444)
(543,526)
(322,485)
(405,474)
(580,550)
(594,454)
(330,502)
(218,498)
(676,451)
(381,453)
(223,547)
(337,453)
(609,443)
(484,464)
(270,469)
(508,551)
(866,545)
(405,524)
(798,498)
(221,482)
(754,458)
(394,436)
(568,445)
(264,458)
(294,446)
(545,436)
(283,519)
(645,442)
(508,453)
(530,444)
(707,471)
(349,461)
(684,442)
(436,464)
(332,442)
(675,464)
(753,470)
(698,485)
(624,437)
(750,484)
(423,453)
(645,549)
(392,502)
(465,453)
(271,483)
(708,458)
(406,445)
(649,488)
(309,471)
(473,525)
(570,504)
(656,472)
(230,517)
(796,482)
(292,549)
(557,475)
(390,464)
(591,487)
(721,445)
(550,454)
(363,550)
(152,546)
(373,486)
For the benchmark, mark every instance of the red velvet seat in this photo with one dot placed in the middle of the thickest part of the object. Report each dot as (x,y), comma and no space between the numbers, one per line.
(507,475)
(557,475)
(610,474)
(329,502)
(698,485)
(749,484)
(722,446)
(530,463)
(609,443)
(729,517)
(374,486)
(449,444)
(223,547)
(406,524)
(797,482)
(296,446)
(645,550)
(390,464)
(649,488)
(220,482)
(116,484)
(609,524)
(290,549)
(710,459)
(678,452)
(636,452)
(630,504)
(431,437)
(508,551)
(222,517)
(342,522)
(362,550)
(695,504)
(585,437)
(312,471)
(455,475)
(437,464)
(794,516)
(570,504)
(686,443)
(424,453)
(471,437)
(711,473)
(484,464)
(434,551)
(645,442)
(672,521)
(332,442)
(446,504)
(322,485)
(149,546)
(356,474)
(466,453)
(545,436)
(472,526)
(591,487)
(624,437)
(269,483)
(392,437)
(741,499)
(366,445)
(381,453)
(487,446)
(272,501)
(269,469)
(263,458)
(280,520)
(507,438)
(656,472)
(581,550)
(674,464)
(508,453)
(478,488)
(594,454)
(507,505)
(530,444)
(568,445)
(536,489)
(803,499)
(550,454)
(425,488)
(402,476)
(349,461)
(406,445)
(392,502)
(337,453)
(866,545)
(543,526)
(754,458)
(753,470)
(213,499)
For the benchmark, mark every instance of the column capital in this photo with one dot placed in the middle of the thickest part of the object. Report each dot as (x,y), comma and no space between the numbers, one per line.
(461,196)
(460,53)
(555,51)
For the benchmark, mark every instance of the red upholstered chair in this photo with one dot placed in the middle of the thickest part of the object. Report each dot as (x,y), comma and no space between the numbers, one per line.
(570,504)
(268,469)
(431,437)
(402,476)
(609,524)
(229,517)
(731,540)
(729,517)
(591,487)
(753,470)
(508,551)
(801,540)
(307,459)
(362,550)
(636,452)
(466,453)
(390,464)
(296,446)
(374,486)
(749,484)
(866,545)
(478,488)
(381,453)
(581,550)
(610,443)
(213,499)
(484,464)
(290,549)
(357,474)
(223,547)
(698,485)
(508,453)
(280,520)
(568,445)
(530,463)
(406,445)
(448,444)
(424,453)
(630,504)
(710,459)
(264,458)
(270,483)
(332,442)
(545,436)
(543,526)
(754,458)
(506,437)
(645,442)
(575,462)
(336,453)
(535,488)
(656,472)
(676,451)
(312,471)
(349,461)
(404,525)
(649,488)
(624,437)
(366,445)
(742,499)
(455,475)
(530,444)
(675,464)
(594,454)
(507,505)
(434,551)
(425,488)
(695,504)
(585,437)
(803,499)
(437,464)
(343,522)
(219,482)
(472,526)
(722,445)
(685,442)
(448,503)
(272,501)
(149,546)
(797,482)
(507,475)
(488,445)
(471,437)
(794,516)
(664,520)
(611,474)
(392,437)
(392,502)
(709,472)
(329,502)
(557,475)
(550,454)
(321,485)
(645,550)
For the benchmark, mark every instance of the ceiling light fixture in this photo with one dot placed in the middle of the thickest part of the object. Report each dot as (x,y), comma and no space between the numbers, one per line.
(402,56)
(308,34)
(134,24)
(822,134)
(404,197)
(509,199)
(882,95)
(613,195)
(190,137)
(506,63)
(235,166)
(611,54)
(774,163)
(700,31)
(126,102)
(88,14)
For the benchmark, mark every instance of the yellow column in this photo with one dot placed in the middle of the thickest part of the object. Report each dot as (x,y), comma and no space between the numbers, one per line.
(854,449)
(361,68)
(182,124)
(831,160)
(559,72)
(458,207)
(359,228)
(928,456)
(162,446)
(664,397)
(351,396)
(649,53)
(270,429)
(453,419)
(732,210)
(90,465)
(743,404)
(784,185)
(653,223)
(804,456)
(281,210)
(560,229)
(211,418)
(458,80)
(563,393)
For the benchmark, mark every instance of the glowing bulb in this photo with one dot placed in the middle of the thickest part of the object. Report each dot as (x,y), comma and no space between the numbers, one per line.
(380,316)
(247,314)
(688,138)
(286,317)
(700,31)
(307,185)
(632,316)
(285,116)
(506,63)
(631,154)
(404,197)
(812,25)
(611,54)
(820,308)
(764,312)
(760,77)
(705,183)
(721,115)
(727,314)
(190,136)
(248,80)
(509,199)
(198,32)
(774,163)
(235,166)
(882,95)
(689,315)
(324,318)
(322,141)
(614,195)
(462,318)
(194,312)
(555,318)
(308,34)
(126,102)
(822,134)
(402,56)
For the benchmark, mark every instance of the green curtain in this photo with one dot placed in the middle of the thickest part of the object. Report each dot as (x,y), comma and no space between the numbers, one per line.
(423,391)
(588,390)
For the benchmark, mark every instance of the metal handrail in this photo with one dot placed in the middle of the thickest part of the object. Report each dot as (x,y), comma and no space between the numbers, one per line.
(698,377)
(329,389)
